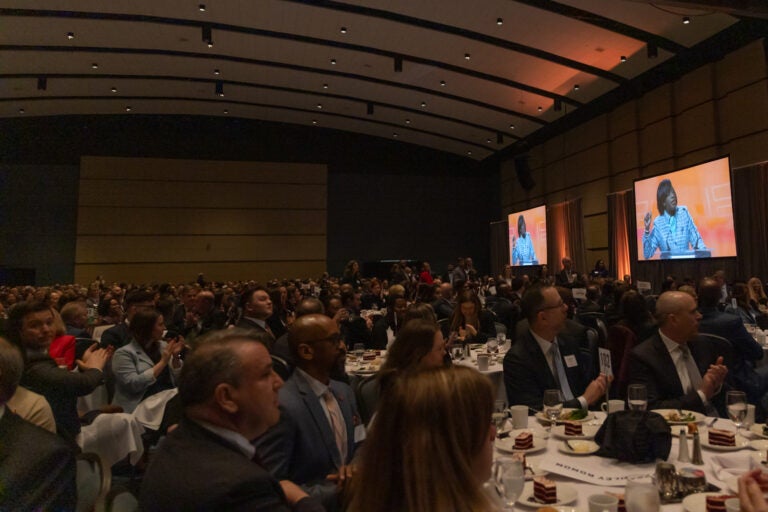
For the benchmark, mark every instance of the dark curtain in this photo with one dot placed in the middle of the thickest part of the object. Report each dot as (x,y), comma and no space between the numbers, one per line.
(499,246)
(565,229)
(619,231)
(750,213)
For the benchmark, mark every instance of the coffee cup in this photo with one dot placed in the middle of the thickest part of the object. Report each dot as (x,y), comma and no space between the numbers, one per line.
(519,416)
(603,502)
(612,406)
(482,362)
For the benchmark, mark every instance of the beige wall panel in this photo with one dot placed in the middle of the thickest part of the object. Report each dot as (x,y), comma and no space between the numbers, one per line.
(110,249)
(93,167)
(622,120)
(743,66)
(695,128)
(187,272)
(694,88)
(744,111)
(623,153)
(698,157)
(200,221)
(593,196)
(748,150)
(596,232)
(179,194)
(656,142)
(587,135)
(659,167)
(655,105)
(590,164)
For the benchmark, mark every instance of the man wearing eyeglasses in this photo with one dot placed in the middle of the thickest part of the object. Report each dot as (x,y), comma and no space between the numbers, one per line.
(315,439)
(543,358)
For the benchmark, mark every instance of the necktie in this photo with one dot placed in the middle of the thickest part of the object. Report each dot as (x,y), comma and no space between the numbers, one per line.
(694,377)
(269,331)
(337,424)
(562,379)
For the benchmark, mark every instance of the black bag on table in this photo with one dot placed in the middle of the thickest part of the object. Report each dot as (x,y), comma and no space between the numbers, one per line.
(635,437)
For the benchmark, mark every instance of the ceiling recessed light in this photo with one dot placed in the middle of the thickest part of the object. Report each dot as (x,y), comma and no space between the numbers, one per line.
(576,87)
(511,127)
(70,35)
(469,153)
(407,121)
(95,65)
(499,21)
(423,104)
(325,86)
(395,135)
(333,62)
(487,141)
(623,58)
(226,111)
(210,44)
(128,108)
(539,109)
(319,106)
(114,89)
(314,121)
(217,71)
(21,111)
(201,7)
(343,30)
(467,56)
(686,20)
(442,83)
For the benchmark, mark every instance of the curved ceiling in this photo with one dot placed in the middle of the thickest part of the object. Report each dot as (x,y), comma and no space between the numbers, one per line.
(470,78)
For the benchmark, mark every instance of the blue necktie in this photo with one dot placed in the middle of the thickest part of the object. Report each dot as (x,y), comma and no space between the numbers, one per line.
(561,377)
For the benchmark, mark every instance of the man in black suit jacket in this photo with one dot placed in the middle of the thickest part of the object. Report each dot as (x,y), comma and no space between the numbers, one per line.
(119,335)
(37,468)
(209,317)
(567,275)
(530,366)
(660,361)
(229,393)
(257,307)
(444,305)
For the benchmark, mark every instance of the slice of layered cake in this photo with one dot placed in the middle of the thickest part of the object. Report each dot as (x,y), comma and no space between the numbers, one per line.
(573,428)
(544,490)
(524,441)
(720,437)
(717,503)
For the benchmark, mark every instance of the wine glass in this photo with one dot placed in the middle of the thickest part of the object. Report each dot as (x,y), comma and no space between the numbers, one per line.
(499,414)
(359,351)
(637,397)
(492,345)
(512,480)
(736,403)
(553,405)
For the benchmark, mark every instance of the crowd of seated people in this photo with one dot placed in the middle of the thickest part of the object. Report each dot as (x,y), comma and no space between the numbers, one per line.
(308,324)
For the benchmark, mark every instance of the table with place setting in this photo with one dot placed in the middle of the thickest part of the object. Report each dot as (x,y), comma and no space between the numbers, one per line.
(570,461)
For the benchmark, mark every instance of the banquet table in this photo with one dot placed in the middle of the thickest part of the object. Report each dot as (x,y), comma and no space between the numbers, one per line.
(592,464)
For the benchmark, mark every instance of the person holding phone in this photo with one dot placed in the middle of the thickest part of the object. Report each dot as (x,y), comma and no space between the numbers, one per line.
(148,364)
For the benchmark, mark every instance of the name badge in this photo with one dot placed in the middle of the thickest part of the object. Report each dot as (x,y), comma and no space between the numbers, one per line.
(359,433)
(570,361)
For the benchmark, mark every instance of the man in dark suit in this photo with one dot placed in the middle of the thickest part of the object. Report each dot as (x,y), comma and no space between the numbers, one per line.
(119,335)
(567,275)
(209,317)
(745,349)
(229,394)
(679,370)
(257,307)
(444,304)
(183,313)
(507,307)
(314,441)
(542,358)
(37,468)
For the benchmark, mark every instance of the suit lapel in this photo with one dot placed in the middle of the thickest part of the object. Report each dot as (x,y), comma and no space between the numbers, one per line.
(667,366)
(312,404)
(539,361)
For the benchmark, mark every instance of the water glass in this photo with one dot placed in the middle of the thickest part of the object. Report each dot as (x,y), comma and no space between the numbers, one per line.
(553,405)
(736,404)
(641,497)
(359,351)
(637,397)
(492,345)
(512,480)
(499,414)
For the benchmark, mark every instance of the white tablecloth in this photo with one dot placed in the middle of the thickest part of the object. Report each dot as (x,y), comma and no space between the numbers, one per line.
(593,463)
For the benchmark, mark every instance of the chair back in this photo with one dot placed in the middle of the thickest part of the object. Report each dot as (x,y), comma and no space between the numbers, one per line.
(621,341)
(93,482)
(99,330)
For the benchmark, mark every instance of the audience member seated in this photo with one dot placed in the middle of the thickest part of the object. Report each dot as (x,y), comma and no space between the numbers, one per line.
(37,468)
(443,303)
(257,308)
(281,318)
(507,307)
(207,316)
(110,311)
(470,322)
(183,314)
(418,345)
(757,297)
(314,441)
(352,275)
(229,394)
(30,327)
(355,329)
(147,365)
(386,328)
(746,351)
(75,317)
(119,335)
(748,314)
(373,299)
(591,305)
(635,316)
(542,358)
(426,293)
(567,275)
(445,414)
(679,369)
(32,407)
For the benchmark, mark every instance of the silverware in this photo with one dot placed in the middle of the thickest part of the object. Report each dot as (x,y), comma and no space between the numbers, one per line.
(709,425)
(529,468)
(568,444)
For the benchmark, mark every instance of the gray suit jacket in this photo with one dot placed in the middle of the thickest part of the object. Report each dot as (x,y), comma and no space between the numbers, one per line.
(132,368)
(301,447)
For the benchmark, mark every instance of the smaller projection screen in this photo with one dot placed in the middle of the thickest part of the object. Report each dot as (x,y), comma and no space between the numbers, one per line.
(528,237)
(686,214)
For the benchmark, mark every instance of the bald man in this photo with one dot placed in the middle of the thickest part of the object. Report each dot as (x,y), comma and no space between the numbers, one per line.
(314,441)
(679,369)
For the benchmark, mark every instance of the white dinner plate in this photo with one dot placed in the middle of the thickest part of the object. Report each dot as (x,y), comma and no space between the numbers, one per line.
(760,445)
(578,447)
(741,443)
(698,502)
(566,493)
(588,431)
(666,413)
(563,416)
(508,443)
(757,429)
(537,471)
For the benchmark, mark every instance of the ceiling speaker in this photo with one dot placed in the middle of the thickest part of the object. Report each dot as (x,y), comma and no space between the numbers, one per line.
(524,172)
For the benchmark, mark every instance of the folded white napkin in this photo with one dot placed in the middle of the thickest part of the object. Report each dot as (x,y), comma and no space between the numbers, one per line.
(732,464)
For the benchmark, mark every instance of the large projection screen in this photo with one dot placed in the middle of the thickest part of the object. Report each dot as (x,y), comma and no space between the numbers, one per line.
(528,237)
(686,214)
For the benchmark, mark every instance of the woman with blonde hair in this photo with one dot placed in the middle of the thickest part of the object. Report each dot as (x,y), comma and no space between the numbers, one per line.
(446,457)
(757,296)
